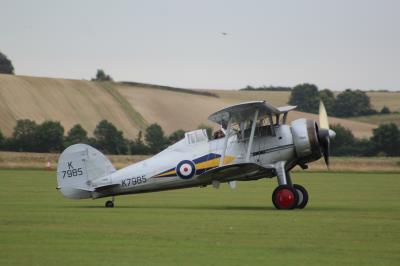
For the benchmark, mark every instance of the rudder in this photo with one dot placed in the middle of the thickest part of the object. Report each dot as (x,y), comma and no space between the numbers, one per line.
(78,165)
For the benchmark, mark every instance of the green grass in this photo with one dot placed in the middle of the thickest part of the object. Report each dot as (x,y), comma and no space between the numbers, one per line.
(352,219)
(379,119)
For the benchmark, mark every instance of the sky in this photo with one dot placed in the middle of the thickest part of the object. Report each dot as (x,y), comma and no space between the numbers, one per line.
(333,44)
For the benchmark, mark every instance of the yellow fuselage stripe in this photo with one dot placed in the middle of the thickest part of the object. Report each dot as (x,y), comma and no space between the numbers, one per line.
(205,165)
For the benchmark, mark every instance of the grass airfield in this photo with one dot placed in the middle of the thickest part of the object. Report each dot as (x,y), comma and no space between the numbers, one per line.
(351,219)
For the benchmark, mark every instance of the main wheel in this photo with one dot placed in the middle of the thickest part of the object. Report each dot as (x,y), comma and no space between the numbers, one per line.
(284,197)
(109,204)
(302,196)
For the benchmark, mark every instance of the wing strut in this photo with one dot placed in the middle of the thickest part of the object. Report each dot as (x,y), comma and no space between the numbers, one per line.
(227,133)
(253,128)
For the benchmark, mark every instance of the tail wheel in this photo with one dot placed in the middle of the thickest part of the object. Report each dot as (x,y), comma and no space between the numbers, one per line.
(302,196)
(285,197)
(109,204)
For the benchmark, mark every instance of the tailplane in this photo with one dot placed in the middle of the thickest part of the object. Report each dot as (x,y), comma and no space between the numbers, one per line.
(78,166)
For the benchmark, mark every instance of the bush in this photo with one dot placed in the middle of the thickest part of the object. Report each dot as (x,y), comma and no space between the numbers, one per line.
(2,140)
(344,142)
(385,110)
(306,97)
(6,66)
(49,137)
(352,103)
(77,134)
(386,139)
(137,146)
(24,136)
(155,138)
(176,136)
(102,76)
(109,139)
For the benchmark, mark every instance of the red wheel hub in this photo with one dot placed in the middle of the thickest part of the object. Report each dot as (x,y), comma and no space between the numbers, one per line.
(285,198)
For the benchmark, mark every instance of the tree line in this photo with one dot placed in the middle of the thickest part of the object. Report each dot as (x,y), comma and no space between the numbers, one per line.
(28,136)
(348,103)
(385,141)
(306,96)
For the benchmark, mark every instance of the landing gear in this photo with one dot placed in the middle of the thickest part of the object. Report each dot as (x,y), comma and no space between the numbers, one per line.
(285,197)
(302,196)
(110,203)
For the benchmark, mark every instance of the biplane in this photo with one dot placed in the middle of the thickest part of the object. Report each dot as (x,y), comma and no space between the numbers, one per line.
(254,141)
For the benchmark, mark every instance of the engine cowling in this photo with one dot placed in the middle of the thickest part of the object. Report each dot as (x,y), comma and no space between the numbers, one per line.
(305,139)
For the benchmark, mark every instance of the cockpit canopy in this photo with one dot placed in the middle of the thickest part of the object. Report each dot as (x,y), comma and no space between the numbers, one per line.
(196,136)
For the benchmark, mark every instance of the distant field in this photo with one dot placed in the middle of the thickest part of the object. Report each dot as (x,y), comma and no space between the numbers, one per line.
(352,219)
(175,110)
(380,119)
(378,99)
(28,160)
(389,99)
(131,107)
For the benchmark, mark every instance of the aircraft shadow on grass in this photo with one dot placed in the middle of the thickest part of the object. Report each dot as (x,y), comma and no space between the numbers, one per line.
(228,208)
(177,207)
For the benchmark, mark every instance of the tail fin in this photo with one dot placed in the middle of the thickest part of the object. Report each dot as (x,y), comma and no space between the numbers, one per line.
(78,165)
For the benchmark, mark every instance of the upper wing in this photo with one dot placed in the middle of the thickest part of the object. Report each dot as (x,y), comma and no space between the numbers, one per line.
(239,171)
(245,111)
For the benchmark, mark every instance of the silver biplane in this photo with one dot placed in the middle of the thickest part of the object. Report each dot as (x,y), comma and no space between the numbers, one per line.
(254,142)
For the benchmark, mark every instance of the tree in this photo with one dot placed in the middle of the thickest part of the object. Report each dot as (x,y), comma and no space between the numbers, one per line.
(352,103)
(2,140)
(102,76)
(6,66)
(386,139)
(344,141)
(24,136)
(77,134)
(176,136)
(155,138)
(306,97)
(137,146)
(328,98)
(385,110)
(49,137)
(109,139)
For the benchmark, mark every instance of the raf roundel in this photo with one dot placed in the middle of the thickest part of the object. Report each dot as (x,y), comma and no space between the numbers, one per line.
(186,169)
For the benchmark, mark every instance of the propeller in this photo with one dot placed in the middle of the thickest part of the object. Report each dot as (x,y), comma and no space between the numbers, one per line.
(324,133)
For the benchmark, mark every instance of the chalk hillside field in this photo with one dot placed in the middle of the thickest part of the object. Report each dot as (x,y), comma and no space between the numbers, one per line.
(133,106)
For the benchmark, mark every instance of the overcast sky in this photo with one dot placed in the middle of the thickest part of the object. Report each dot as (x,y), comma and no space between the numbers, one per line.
(334,44)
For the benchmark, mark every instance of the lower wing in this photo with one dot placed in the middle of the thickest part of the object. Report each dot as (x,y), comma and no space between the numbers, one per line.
(239,171)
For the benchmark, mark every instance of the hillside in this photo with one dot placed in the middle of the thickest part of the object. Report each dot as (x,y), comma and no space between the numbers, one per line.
(131,107)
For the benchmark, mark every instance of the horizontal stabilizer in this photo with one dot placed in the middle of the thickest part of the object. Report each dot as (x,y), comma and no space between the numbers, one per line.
(106,187)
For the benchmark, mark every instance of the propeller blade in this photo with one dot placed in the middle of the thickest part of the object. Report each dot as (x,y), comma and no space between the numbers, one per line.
(323,116)
(325,143)
(327,149)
